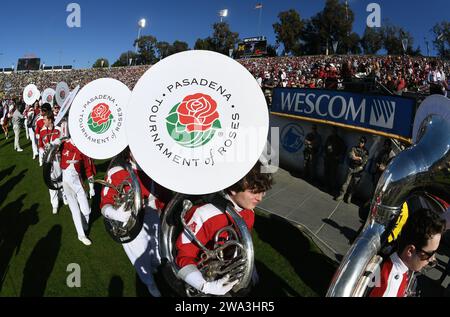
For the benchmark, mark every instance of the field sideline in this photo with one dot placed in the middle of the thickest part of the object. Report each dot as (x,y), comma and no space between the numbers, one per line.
(36,247)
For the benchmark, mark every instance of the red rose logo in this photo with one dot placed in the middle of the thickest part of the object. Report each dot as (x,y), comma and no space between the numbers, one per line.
(100,114)
(198,112)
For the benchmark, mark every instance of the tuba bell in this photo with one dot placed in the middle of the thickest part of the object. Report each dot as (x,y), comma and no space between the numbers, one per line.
(416,176)
(51,155)
(128,193)
(234,257)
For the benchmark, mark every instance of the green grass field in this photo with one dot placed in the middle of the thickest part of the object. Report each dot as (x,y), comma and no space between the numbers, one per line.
(37,247)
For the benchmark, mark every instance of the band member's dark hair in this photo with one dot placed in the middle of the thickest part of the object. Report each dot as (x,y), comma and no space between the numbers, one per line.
(419,228)
(49,115)
(255,181)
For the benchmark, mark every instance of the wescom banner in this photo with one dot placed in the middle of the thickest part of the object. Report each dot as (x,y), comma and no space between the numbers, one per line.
(388,114)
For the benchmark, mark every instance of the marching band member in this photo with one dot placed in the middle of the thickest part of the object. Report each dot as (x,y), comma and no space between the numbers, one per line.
(25,123)
(416,248)
(143,250)
(5,119)
(32,116)
(71,163)
(47,135)
(16,119)
(205,221)
(45,108)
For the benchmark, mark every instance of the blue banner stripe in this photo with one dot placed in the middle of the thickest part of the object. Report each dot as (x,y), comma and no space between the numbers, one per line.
(387,114)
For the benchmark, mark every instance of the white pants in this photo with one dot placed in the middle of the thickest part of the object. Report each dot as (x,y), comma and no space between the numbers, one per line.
(33,142)
(16,129)
(25,124)
(143,251)
(77,200)
(55,194)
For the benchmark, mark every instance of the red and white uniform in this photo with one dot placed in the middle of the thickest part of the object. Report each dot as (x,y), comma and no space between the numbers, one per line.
(39,126)
(143,251)
(47,135)
(204,222)
(72,162)
(37,133)
(25,114)
(30,117)
(118,174)
(393,278)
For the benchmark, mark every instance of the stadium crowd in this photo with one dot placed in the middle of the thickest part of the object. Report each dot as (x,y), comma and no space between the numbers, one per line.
(397,73)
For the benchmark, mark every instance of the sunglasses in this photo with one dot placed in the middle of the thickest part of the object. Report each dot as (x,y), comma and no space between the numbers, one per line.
(427,254)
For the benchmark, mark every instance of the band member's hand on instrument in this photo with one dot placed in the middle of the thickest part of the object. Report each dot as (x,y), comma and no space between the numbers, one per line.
(56,142)
(195,278)
(120,214)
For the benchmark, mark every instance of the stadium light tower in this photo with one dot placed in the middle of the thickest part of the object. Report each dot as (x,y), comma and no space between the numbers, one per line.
(223,14)
(141,24)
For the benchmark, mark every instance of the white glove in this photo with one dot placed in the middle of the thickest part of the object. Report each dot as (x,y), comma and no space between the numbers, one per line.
(91,190)
(219,287)
(56,142)
(195,278)
(117,214)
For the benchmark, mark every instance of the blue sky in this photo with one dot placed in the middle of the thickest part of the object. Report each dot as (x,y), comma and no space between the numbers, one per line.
(109,28)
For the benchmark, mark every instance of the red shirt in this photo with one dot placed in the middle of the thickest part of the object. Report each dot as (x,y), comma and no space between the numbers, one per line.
(47,135)
(205,221)
(39,126)
(393,279)
(71,155)
(149,188)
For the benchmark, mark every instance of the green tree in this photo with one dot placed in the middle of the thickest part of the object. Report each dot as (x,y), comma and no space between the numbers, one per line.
(147,50)
(288,30)
(392,39)
(372,40)
(100,63)
(177,47)
(204,44)
(311,43)
(124,59)
(333,23)
(223,39)
(351,44)
(442,39)
(271,50)
(162,49)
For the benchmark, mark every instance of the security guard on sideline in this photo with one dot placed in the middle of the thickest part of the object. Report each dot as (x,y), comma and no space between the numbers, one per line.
(359,157)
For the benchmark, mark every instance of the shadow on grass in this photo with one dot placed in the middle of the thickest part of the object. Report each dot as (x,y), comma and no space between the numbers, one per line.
(13,226)
(10,141)
(314,269)
(95,205)
(9,185)
(115,288)
(40,264)
(101,168)
(6,172)
(270,284)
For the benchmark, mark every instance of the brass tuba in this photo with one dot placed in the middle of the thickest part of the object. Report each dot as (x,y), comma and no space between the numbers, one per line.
(234,257)
(128,193)
(51,155)
(415,176)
